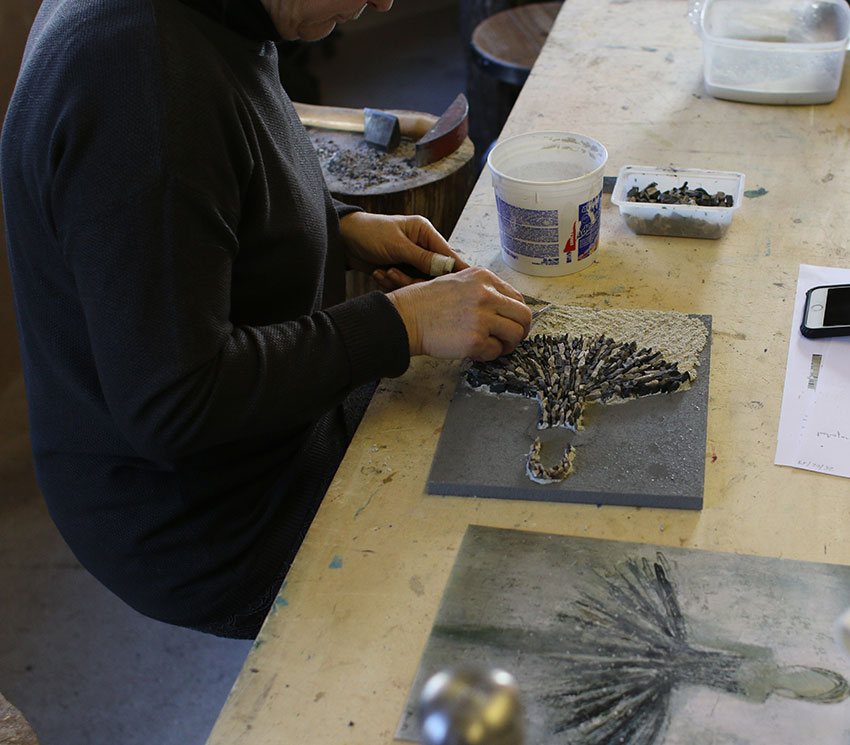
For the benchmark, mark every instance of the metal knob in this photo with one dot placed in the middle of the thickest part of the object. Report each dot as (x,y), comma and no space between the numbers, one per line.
(471,706)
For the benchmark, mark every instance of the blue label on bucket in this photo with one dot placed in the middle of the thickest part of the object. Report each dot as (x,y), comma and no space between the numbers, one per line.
(585,233)
(532,234)
(588,217)
(535,235)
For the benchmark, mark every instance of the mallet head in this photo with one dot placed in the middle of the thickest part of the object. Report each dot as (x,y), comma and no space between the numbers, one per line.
(381,129)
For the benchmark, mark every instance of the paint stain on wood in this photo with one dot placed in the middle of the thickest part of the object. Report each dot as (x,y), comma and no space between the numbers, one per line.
(416,585)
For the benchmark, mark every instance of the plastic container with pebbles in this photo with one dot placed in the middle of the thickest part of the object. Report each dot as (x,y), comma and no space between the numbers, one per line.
(548,189)
(694,217)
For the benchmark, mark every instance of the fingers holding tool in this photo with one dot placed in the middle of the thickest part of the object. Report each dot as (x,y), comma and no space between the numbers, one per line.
(427,255)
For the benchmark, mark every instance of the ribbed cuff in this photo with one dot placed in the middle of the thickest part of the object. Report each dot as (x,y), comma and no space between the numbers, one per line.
(343,209)
(374,336)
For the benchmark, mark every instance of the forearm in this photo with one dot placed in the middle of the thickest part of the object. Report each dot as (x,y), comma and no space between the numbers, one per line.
(259,380)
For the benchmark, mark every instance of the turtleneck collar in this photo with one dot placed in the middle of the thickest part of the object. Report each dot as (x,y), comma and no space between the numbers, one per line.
(246,17)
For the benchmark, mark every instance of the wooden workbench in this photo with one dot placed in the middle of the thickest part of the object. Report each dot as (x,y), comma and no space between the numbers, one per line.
(336,657)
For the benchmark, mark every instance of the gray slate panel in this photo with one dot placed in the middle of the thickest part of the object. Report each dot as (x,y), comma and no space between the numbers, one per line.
(647,452)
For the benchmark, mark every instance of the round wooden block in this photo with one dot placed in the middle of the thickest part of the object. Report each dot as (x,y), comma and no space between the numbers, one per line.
(507,44)
(392,183)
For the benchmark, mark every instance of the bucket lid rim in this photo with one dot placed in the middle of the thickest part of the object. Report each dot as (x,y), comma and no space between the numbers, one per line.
(546,132)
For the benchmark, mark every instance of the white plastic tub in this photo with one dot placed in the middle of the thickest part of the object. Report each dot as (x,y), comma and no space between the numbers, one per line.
(548,188)
(774,51)
(677,220)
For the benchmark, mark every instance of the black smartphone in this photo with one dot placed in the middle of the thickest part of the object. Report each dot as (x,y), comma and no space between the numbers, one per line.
(827,311)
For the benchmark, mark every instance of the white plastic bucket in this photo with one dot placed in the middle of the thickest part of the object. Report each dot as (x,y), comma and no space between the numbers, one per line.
(548,195)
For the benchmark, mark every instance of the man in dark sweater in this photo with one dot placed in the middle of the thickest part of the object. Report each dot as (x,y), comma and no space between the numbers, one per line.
(178,271)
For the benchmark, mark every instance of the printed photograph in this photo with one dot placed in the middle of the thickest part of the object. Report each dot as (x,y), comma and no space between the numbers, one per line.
(616,642)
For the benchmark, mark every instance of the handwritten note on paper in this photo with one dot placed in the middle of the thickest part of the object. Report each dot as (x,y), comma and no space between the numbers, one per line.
(824,444)
(814,425)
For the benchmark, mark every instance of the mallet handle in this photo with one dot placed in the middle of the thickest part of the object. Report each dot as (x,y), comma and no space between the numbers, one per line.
(413,124)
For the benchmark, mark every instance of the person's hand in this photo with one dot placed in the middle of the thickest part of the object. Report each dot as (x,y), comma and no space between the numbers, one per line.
(471,313)
(376,242)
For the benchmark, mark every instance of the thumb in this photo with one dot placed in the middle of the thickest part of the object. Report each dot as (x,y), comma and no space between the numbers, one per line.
(439,264)
(431,253)
(425,264)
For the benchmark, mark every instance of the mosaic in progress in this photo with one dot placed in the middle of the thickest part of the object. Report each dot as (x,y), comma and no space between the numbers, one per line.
(564,374)
(601,406)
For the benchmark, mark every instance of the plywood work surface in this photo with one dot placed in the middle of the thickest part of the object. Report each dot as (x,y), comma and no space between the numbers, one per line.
(337,656)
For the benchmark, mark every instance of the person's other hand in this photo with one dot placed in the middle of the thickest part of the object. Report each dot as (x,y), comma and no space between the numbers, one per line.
(471,313)
(375,242)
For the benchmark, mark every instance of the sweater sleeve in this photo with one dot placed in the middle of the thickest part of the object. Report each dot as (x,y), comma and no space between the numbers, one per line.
(177,374)
(343,209)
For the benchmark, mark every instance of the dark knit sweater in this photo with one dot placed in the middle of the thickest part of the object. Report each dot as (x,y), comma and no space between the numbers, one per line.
(178,277)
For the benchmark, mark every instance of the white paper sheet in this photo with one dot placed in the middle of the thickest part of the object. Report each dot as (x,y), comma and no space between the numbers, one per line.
(814,424)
